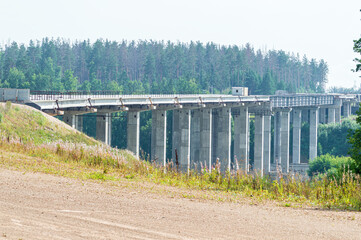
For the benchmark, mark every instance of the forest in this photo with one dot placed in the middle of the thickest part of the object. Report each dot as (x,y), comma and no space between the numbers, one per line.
(156,67)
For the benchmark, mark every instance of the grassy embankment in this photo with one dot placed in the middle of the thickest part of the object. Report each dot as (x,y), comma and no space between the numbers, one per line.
(32,141)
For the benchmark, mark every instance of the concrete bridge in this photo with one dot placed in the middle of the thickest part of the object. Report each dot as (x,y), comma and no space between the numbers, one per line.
(202,123)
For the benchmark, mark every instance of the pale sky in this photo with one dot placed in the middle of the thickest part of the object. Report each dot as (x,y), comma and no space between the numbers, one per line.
(320,29)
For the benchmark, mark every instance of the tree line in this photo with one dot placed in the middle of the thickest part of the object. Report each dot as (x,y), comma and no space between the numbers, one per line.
(156,67)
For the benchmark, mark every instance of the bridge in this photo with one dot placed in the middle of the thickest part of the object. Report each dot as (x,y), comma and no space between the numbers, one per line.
(202,123)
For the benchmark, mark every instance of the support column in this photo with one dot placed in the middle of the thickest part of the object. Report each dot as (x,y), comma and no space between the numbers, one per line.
(103,127)
(277,138)
(79,122)
(195,137)
(346,109)
(322,115)
(267,144)
(331,115)
(285,140)
(69,119)
(133,128)
(205,150)
(313,133)
(222,137)
(258,143)
(338,114)
(241,137)
(296,153)
(305,115)
(181,138)
(159,137)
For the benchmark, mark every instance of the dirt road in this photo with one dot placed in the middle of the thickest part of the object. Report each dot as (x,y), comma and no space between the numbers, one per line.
(40,206)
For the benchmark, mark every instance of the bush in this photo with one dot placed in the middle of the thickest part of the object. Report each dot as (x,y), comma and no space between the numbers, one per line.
(331,166)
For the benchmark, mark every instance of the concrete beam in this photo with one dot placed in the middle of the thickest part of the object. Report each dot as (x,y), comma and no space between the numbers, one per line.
(241,137)
(133,129)
(159,137)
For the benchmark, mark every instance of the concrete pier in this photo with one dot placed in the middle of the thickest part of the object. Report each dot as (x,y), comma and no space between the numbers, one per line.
(181,138)
(267,144)
(133,129)
(79,122)
(195,138)
(70,119)
(285,140)
(222,137)
(296,149)
(258,143)
(313,133)
(103,127)
(322,114)
(277,138)
(241,137)
(346,109)
(205,149)
(159,137)
(305,115)
(331,115)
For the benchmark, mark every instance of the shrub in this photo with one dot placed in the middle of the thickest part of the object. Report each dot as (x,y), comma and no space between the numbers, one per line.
(331,166)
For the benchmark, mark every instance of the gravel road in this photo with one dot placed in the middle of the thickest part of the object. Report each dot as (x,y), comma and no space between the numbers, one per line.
(41,206)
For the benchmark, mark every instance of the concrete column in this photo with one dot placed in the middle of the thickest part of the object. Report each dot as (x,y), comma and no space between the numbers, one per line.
(195,137)
(79,122)
(267,144)
(181,138)
(222,136)
(103,127)
(205,150)
(277,138)
(322,115)
(331,115)
(69,119)
(338,114)
(305,115)
(241,137)
(346,109)
(159,137)
(133,128)
(258,143)
(296,153)
(285,140)
(313,133)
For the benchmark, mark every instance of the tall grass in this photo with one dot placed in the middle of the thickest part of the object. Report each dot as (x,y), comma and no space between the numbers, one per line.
(344,193)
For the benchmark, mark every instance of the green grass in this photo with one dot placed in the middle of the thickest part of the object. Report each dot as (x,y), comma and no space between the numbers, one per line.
(52,148)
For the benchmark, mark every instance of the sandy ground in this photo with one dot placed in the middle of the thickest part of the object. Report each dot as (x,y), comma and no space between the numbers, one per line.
(40,206)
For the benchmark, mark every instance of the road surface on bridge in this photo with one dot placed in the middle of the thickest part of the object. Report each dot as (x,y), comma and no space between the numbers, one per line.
(40,206)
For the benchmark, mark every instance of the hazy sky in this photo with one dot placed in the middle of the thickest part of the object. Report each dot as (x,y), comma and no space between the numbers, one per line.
(320,29)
